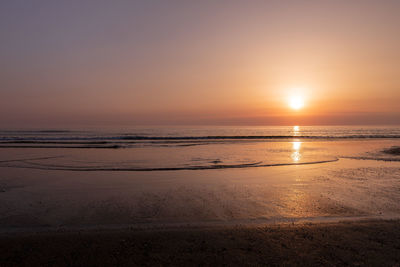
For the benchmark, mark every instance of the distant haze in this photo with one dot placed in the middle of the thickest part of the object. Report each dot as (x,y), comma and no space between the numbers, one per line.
(198,62)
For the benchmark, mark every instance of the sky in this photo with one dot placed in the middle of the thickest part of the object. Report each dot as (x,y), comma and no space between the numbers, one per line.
(199,62)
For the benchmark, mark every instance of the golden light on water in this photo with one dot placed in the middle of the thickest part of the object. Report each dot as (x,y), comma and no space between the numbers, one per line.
(296,155)
(296,146)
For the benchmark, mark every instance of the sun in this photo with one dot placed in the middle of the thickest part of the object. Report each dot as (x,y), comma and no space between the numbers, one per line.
(296,102)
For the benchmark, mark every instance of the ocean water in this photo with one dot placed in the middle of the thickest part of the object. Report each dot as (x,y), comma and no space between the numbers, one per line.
(180,148)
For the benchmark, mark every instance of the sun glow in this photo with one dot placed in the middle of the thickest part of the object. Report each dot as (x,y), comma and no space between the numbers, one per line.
(296,102)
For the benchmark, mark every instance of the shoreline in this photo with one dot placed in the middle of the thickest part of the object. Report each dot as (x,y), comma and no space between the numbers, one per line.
(361,242)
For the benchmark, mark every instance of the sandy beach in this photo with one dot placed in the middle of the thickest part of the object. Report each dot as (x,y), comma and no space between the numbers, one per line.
(341,212)
(355,243)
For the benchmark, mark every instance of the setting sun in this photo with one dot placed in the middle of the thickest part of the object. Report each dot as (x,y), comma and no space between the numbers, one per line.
(296,102)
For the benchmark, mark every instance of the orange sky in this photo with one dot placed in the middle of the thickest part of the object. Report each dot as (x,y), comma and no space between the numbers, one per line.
(225,62)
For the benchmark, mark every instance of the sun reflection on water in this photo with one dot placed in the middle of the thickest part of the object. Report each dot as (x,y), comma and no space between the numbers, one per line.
(296,155)
(296,130)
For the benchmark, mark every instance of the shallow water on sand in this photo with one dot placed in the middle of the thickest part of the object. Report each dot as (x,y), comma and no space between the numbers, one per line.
(218,181)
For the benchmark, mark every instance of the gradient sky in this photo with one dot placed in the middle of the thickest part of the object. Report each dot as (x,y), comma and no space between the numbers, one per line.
(204,62)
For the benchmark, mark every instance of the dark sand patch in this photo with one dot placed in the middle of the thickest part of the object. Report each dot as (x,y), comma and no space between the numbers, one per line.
(372,243)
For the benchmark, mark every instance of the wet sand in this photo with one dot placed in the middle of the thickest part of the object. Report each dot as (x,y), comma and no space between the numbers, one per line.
(365,243)
(348,188)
